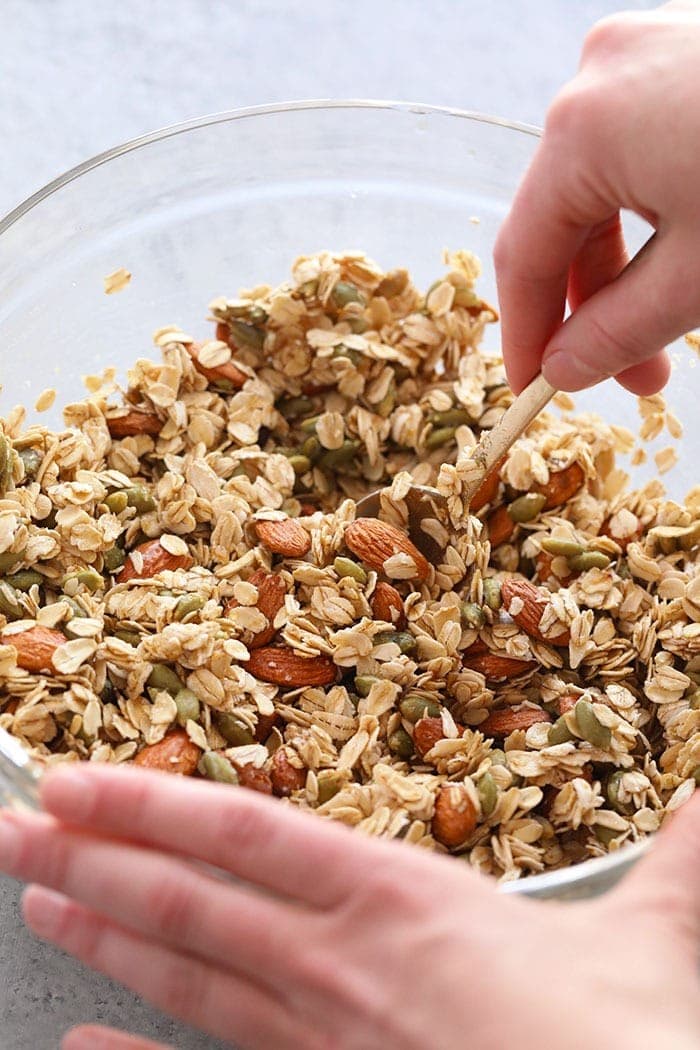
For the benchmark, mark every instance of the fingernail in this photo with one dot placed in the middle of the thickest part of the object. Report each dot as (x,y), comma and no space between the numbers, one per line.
(565,371)
(10,837)
(67,793)
(44,911)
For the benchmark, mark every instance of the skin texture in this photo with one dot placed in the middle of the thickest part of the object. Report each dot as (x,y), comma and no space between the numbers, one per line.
(332,940)
(618,136)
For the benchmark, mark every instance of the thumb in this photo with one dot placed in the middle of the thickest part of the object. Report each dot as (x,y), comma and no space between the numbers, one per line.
(667,882)
(655,300)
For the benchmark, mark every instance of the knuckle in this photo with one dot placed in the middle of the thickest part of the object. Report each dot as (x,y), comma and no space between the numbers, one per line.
(609,35)
(617,351)
(170,905)
(182,988)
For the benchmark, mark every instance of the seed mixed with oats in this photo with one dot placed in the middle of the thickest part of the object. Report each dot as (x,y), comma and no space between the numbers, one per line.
(184,584)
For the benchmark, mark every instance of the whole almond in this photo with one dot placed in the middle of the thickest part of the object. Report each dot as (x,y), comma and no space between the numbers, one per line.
(286,537)
(502,723)
(454,816)
(500,526)
(264,726)
(254,779)
(496,665)
(534,600)
(133,423)
(282,666)
(426,733)
(374,542)
(175,753)
(35,647)
(568,702)
(228,371)
(387,604)
(271,592)
(562,485)
(488,489)
(155,559)
(285,777)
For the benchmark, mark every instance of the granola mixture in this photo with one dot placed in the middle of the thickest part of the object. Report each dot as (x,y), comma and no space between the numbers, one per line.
(184,582)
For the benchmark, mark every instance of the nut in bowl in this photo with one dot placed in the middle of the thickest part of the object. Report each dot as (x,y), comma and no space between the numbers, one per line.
(523,700)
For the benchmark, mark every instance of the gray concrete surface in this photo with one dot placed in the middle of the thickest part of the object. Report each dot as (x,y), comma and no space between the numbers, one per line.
(78,76)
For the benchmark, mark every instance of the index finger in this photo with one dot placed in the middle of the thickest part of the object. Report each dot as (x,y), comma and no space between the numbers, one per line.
(258,839)
(547,225)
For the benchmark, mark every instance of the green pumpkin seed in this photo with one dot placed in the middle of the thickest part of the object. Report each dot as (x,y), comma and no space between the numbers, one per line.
(414,707)
(32,460)
(329,782)
(561,547)
(108,694)
(348,567)
(308,289)
(589,560)
(140,499)
(492,593)
(291,407)
(451,417)
(25,580)
(187,706)
(488,794)
(338,457)
(605,835)
(312,448)
(10,606)
(214,766)
(344,293)
(612,792)
(393,283)
(75,607)
(113,559)
(187,605)
(404,639)
(309,425)
(164,678)
(498,757)
(527,507)
(247,335)
(125,634)
(358,325)
(8,560)
(349,353)
(6,464)
(387,403)
(300,464)
(232,729)
(364,683)
(472,615)
(559,733)
(89,578)
(590,728)
(117,501)
(440,437)
(400,744)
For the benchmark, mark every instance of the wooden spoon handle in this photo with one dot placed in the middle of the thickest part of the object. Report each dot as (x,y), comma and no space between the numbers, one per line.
(495,443)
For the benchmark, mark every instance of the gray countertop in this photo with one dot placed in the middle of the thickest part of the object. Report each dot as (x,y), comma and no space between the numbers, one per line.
(79,76)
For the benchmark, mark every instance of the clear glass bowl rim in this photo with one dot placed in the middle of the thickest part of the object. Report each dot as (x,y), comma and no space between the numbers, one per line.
(562,882)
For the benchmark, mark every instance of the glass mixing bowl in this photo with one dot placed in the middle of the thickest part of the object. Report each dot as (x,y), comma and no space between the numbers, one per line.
(205,207)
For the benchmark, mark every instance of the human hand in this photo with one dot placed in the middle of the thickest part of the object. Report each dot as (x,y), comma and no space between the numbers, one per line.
(622,134)
(332,940)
